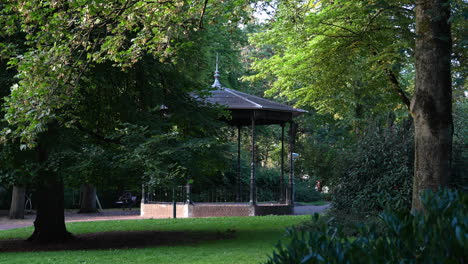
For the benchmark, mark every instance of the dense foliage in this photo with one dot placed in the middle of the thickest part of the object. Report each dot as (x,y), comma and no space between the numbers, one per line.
(347,58)
(439,235)
(377,169)
(76,52)
(378,173)
(111,83)
(322,144)
(460,145)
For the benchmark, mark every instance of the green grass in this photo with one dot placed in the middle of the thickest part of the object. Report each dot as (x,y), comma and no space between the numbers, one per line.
(253,242)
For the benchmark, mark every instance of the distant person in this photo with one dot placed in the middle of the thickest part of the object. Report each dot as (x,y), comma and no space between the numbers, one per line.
(318,186)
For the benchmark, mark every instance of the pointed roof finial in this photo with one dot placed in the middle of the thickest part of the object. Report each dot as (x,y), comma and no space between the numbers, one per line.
(216,83)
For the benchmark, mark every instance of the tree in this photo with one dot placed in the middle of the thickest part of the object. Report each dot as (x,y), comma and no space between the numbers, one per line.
(356,61)
(17,203)
(324,50)
(88,198)
(18,194)
(431,106)
(128,57)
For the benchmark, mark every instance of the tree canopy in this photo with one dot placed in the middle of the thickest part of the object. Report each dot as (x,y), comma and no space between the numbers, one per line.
(353,59)
(68,46)
(97,75)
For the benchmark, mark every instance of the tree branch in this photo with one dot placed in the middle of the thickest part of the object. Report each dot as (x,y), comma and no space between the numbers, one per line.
(371,19)
(200,23)
(334,36)
(333,25)
(393,81)
(396,87)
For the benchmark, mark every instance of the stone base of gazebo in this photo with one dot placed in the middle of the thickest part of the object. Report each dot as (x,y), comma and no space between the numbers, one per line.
(165,210)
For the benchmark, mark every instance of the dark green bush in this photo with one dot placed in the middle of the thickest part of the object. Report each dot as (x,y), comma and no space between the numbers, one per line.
(379,173)
(439,235)
(305,192)
(268,186)
(379,167)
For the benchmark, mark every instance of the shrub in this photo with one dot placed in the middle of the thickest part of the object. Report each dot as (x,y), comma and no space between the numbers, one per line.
(379,168)
(268,186)
(305,192)
(379,174)
(439,235)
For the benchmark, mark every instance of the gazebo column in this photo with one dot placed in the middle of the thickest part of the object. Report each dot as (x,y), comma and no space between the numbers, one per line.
(238,187)
(292,141)
(253,187)
(282,187)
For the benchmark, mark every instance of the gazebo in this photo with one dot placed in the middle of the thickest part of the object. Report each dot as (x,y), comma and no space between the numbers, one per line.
(250,110)
(245,110)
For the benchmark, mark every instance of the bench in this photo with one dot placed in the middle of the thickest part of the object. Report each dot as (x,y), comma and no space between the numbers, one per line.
(126,201)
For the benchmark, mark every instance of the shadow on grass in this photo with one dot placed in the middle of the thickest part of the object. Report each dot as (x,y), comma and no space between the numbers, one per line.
(118,240)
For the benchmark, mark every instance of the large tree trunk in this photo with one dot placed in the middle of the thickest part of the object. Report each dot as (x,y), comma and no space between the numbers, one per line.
(17,203)
(431,106)
(88,199)
(49,226)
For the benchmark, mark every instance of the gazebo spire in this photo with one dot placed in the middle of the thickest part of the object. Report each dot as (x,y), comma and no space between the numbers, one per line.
(216,83)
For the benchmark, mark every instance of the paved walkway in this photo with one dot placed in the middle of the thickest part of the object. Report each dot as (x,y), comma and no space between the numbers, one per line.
(310,209)
(72,216)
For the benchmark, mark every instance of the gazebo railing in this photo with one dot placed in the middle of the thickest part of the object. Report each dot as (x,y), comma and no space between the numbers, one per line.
(177,194)
(217,195)
(269,194)
(220,195)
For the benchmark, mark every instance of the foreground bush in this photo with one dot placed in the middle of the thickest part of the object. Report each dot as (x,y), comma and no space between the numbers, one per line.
(437,236)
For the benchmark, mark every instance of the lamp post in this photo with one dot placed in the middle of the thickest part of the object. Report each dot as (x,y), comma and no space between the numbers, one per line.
(292,157)
(291,179)
(188,192)
(253,187)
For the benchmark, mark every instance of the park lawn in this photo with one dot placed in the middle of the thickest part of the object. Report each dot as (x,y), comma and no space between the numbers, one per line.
(254,240)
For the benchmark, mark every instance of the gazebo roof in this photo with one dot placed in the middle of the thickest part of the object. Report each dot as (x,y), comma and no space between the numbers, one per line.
(235,100)
(244,106)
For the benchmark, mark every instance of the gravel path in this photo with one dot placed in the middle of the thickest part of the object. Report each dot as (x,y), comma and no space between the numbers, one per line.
(72,216)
